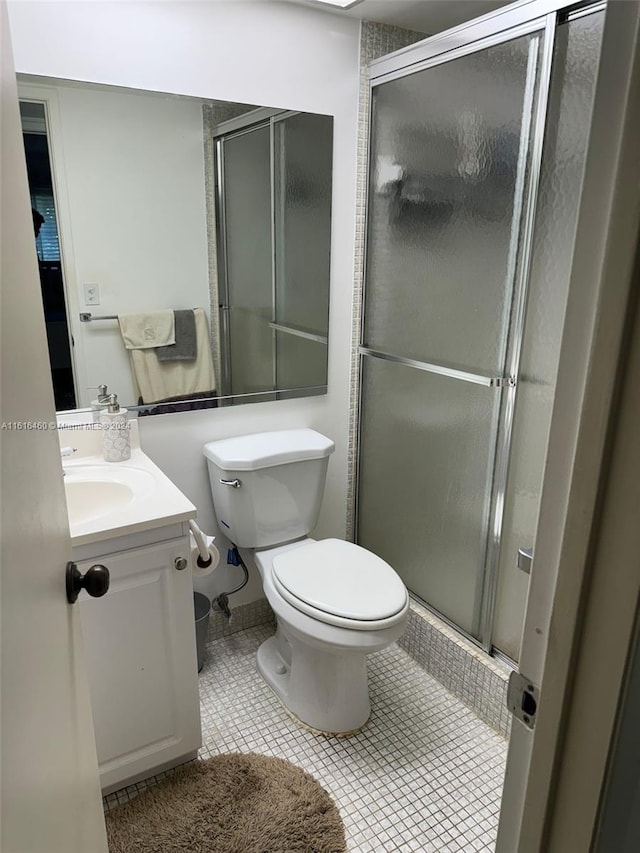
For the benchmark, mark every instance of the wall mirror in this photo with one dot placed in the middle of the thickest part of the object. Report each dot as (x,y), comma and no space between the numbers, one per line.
(183,245)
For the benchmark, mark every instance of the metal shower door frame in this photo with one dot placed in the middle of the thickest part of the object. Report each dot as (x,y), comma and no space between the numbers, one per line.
(538,16)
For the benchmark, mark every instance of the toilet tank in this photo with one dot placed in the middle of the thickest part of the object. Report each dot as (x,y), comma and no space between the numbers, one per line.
(267,487)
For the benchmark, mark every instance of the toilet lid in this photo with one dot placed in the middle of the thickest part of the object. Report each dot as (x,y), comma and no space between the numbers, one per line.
(341,580)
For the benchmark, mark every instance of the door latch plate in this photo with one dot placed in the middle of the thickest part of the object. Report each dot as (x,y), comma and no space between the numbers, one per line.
(522,699)
(525,559)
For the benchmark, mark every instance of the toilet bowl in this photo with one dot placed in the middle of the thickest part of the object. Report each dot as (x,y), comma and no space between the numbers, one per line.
(316,662)
(334,601)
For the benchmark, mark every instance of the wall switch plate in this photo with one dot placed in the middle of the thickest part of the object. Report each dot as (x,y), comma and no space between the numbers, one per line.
(91,293)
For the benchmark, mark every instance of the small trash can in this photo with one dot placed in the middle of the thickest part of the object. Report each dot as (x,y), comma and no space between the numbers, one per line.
(202,607)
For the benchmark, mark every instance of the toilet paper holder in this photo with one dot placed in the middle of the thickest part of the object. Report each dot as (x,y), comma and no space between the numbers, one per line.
(205,556)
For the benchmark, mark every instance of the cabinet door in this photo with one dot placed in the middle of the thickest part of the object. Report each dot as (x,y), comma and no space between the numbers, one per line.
(141,656)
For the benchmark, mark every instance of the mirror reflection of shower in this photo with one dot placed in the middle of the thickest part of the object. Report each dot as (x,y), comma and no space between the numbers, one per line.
(45,226)
(134,178)
(273,182)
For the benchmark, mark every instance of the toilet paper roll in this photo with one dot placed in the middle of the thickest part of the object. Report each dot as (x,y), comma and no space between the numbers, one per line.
(200,571)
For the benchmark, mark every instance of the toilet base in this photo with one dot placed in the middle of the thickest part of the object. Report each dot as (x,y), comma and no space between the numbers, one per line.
(318,732)
(325,690)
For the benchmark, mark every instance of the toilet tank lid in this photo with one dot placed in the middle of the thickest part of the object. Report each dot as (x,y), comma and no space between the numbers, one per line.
(266,449)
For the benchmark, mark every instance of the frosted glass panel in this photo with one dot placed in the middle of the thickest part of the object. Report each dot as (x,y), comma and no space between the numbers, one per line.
(303,157)
(251,347)
(449,152)
(247,183)
(300,363)
(426,452)
(577,48)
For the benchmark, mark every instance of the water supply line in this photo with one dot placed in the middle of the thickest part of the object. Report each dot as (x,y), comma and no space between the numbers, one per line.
(222,600)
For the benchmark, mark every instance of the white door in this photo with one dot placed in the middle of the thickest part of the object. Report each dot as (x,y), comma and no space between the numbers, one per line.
(534,816)
(50,793)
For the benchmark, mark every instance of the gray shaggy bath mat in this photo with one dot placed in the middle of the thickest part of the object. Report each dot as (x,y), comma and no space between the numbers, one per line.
(234,803)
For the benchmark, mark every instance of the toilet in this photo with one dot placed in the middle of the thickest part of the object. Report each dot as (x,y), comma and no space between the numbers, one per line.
(334,602)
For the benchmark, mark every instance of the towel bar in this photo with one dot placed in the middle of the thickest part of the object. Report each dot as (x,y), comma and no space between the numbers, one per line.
(88,318)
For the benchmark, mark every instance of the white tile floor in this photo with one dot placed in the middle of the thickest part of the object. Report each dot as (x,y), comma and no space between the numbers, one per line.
(425,774)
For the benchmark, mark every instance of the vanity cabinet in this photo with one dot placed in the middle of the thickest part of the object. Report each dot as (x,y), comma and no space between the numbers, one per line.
(140,652)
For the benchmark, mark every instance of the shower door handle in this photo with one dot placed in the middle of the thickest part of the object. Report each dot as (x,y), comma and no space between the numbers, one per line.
(525,559)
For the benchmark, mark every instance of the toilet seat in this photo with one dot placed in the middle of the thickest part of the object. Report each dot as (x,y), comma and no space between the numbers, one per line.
(341,584)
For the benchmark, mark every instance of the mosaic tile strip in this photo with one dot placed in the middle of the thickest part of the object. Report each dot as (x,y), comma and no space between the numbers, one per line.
(469,673)
(244,616)
(425,774)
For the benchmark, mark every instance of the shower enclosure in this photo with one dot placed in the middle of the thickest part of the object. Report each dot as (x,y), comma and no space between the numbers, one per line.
(478,141)
(273,217)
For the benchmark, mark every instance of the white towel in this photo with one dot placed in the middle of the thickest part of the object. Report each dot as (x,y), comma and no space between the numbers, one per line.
(145,331)
(161,380)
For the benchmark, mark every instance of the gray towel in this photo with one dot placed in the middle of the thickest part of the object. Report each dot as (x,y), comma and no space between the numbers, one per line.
(185,348)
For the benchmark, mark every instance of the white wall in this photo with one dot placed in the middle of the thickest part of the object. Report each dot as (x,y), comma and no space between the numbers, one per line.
(267,53)
(131,208)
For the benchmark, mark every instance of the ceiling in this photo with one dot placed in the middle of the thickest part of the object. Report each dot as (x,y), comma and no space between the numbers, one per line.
(426,16)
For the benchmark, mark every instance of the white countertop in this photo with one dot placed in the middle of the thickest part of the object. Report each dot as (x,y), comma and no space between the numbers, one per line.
(156,501)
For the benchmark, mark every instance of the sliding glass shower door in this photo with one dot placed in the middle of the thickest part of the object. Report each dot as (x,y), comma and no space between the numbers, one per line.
(453,178)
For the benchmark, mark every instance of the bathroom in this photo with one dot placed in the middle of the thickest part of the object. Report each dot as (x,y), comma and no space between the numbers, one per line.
(220,51)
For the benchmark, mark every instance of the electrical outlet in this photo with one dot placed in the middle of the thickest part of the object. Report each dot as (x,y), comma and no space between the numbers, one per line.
(91,294)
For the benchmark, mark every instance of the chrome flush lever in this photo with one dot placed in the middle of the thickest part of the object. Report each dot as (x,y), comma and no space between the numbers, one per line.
(235,484)
(525,559)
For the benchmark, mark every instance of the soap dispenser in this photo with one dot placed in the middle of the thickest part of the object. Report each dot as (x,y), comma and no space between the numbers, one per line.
(100,404)
(116,439)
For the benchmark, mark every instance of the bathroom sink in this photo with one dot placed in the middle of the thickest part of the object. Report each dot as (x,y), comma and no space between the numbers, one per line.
(87,499)
(97,491)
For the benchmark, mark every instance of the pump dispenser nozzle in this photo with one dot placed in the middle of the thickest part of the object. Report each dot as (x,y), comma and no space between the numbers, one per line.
(100,403)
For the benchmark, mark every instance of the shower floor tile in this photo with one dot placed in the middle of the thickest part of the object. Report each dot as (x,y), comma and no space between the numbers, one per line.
(425,774)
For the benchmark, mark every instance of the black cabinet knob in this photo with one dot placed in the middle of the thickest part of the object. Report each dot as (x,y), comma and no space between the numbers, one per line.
(95,581)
